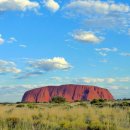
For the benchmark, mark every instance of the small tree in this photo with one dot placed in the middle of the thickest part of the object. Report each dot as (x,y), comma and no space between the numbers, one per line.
(94,101)
(97,101)
(58,99)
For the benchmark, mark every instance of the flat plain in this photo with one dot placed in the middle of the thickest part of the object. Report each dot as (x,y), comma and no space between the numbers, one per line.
(108,115)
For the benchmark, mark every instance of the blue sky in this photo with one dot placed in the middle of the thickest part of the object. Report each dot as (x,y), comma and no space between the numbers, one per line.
(53,42)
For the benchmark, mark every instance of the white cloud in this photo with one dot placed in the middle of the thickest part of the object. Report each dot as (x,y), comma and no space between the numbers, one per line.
(8,67)
(124,79)
(1,40)
(22,5)
(40,66)
(109,80)
(92,80)
(129,31)
(56,63)
(104,61)
(98,80)
(57,79)
(51,5)
(96,6)
(14,92)
(28,75)
(22,45)
(118,87)
(12,39)
(125,54)
(107,49)
(100,15)
(102,54)
(87,37)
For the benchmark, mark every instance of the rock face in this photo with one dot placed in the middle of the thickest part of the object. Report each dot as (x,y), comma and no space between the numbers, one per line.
(70,92)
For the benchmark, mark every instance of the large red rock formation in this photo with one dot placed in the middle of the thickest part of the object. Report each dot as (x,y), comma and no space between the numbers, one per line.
(70,92)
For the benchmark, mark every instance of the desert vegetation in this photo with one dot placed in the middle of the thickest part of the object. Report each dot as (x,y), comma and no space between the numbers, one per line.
(58,99)
(94,115)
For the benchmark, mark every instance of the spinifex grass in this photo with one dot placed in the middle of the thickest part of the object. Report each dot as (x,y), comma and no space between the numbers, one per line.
(66,116)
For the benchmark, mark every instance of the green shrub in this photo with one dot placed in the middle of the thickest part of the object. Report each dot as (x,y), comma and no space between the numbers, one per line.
(58,99)
(20,105)
(97,101)
(77,101)
(94,101)
(102,100)
(96,126)
(121,104)
(31,106)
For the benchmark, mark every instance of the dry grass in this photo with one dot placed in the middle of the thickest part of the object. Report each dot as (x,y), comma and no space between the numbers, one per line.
(74,116)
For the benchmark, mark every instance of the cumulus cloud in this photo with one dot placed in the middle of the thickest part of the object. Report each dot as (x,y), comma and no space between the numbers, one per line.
(97,14)
(56,63)
(96,6)
(21,5)
(8,67)
(40,66)
(51,5)
(87,37)
(1,40)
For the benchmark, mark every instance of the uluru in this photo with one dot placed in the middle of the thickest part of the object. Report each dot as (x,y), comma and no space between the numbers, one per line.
(70,92)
